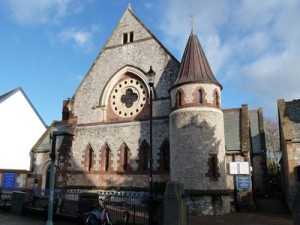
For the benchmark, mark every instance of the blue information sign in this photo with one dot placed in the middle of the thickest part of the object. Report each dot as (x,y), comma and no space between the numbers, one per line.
(243,182)
(9,180)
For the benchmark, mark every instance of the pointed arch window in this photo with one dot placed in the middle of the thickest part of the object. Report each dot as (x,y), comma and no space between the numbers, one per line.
(143,156)
(217,98)
(200,96)
(105,158)
(88,158)
(165,155)
(125,161)
(124,158)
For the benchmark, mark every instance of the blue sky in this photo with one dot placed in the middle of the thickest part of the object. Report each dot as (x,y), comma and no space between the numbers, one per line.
(48,46)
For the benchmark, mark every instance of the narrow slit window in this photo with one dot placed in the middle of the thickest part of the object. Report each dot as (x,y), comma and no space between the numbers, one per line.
(131,36)
(125,38)
(179,99)
(90,158)
(125,165)
(214,166)
(200,96)
(107,155)
(217,99)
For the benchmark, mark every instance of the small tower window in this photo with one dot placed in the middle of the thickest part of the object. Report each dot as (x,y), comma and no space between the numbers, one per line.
(179,99)
(200,99)
(213,170)
(128,37)
(217,99)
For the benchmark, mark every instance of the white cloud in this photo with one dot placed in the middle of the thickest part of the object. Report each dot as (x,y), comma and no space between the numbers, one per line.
(41,11)
(81,38)
(252,46)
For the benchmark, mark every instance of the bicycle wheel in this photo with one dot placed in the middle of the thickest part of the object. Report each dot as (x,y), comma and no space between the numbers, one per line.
(91,220)
(107,219)
(126,218)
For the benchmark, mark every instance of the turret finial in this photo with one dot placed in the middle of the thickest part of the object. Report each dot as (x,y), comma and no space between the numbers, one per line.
(192,23)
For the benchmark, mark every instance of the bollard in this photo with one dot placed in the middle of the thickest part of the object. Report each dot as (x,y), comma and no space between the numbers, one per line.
(174,205)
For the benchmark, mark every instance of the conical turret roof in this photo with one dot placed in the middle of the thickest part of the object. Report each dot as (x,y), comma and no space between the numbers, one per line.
(194,65)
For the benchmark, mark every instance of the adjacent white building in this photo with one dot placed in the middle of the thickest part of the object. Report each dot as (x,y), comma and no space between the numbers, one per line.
(20,128)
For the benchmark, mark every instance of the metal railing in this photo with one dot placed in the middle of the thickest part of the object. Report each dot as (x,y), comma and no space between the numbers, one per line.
(117,203)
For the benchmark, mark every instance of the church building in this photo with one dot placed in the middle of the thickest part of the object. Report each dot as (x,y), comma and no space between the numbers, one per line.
(195,141)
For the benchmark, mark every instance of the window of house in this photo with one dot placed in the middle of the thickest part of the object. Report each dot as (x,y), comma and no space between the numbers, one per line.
(128,37)
(125,38)
(131,36)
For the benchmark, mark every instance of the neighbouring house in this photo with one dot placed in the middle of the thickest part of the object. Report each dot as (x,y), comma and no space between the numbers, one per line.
(20,127)
(195,141)
(289,130)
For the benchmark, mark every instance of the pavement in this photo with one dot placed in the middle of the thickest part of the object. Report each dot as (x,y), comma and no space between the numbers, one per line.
(269,211)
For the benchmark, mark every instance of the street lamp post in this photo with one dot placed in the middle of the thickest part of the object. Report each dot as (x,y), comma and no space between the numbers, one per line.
(150,76)
(53,137)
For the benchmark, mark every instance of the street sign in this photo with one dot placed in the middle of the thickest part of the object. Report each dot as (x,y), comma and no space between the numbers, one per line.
(243,182)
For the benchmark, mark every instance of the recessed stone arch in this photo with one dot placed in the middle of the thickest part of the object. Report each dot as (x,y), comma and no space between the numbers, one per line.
(199,91)
(104,98)
(179,98)
(42,171)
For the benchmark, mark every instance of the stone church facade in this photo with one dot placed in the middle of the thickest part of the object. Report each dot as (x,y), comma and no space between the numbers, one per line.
(109,115)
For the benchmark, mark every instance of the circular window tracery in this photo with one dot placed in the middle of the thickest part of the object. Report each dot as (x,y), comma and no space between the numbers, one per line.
(128,98)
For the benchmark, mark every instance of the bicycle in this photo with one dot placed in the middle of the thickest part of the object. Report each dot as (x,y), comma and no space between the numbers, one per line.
(98,215)
(127,213)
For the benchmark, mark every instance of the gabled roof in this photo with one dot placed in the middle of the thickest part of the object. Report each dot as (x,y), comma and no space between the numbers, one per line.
(9,94)
(115,35)
(44,143)
(194,65)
